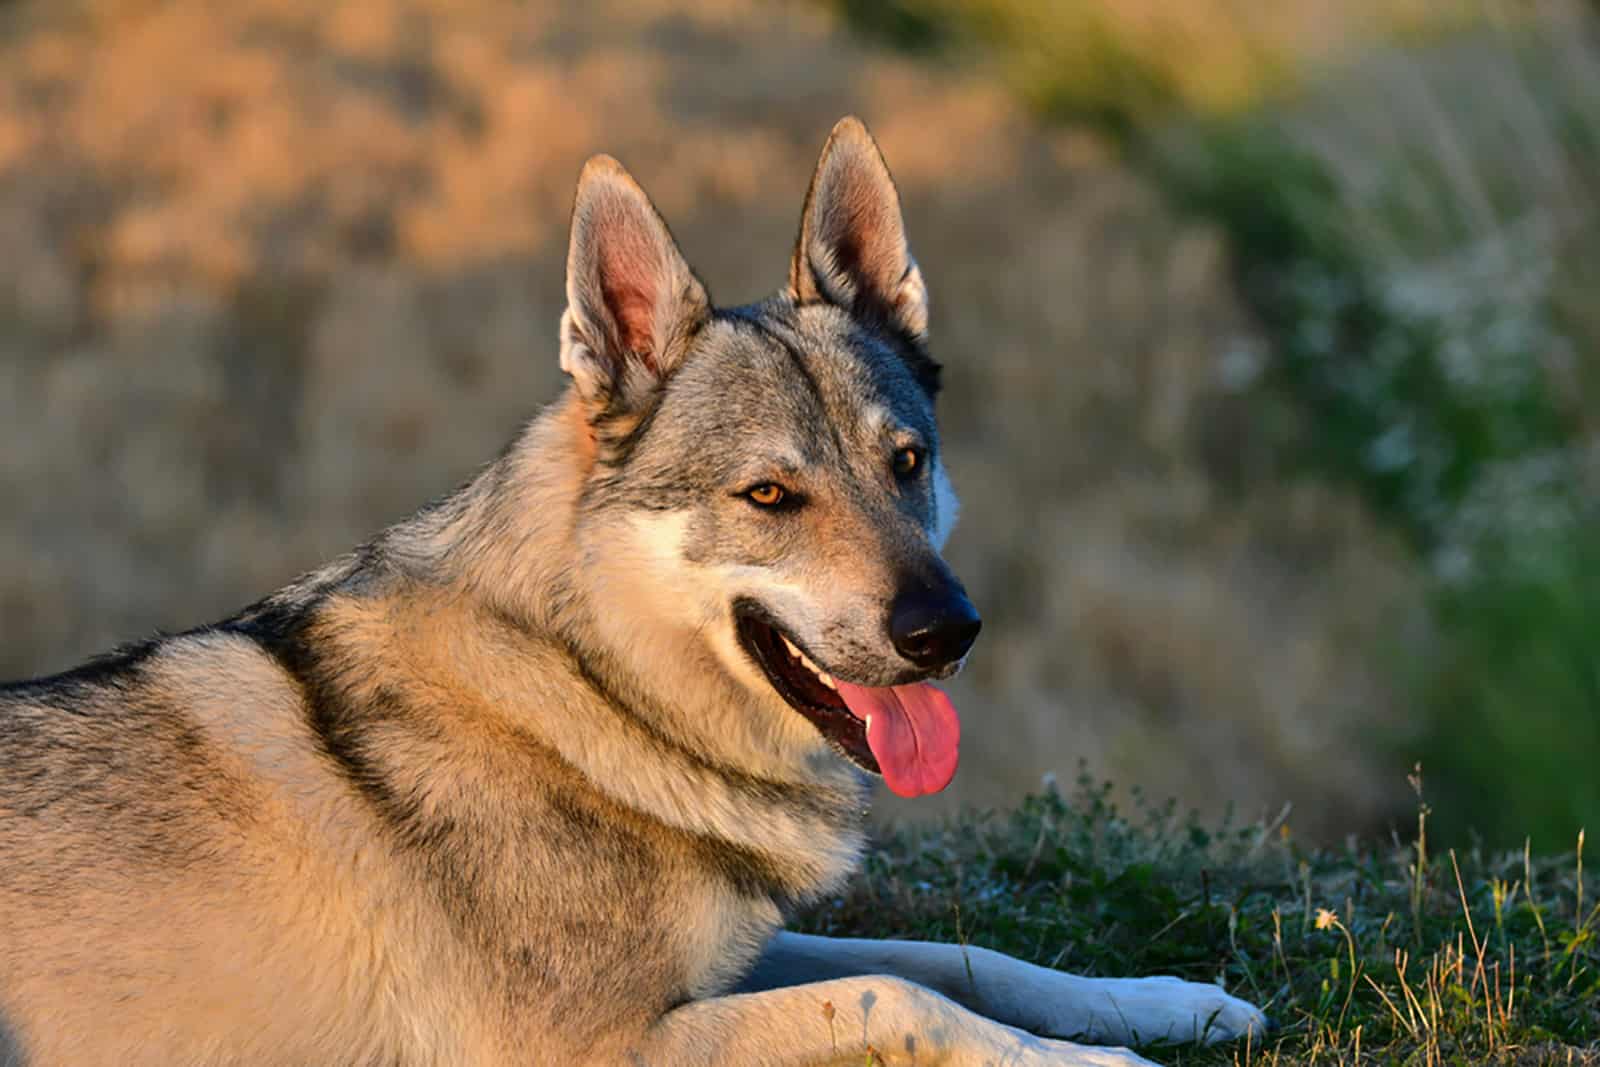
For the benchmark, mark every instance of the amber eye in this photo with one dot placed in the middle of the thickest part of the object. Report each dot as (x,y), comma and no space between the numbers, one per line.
(767,495)
(906,462)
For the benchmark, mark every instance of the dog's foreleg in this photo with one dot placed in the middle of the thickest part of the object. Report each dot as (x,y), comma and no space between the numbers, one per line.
(1118,1010)
(841,1020)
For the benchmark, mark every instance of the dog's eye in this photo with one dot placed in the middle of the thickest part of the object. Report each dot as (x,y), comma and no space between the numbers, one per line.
(767,495)
(906,462)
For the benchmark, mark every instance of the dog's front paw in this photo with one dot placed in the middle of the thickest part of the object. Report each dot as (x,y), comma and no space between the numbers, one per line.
(1142,1011)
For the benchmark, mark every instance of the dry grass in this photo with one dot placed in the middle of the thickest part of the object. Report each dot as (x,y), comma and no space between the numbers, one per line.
(277,272)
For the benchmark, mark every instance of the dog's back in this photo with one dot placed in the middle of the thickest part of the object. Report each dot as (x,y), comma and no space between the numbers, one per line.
(140,842)
(188,881)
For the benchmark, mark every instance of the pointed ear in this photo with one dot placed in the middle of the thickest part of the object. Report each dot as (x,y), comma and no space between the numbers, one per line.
(852,249)
(633,304)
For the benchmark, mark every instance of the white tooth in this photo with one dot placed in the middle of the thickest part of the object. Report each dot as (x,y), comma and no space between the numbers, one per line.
(822,676)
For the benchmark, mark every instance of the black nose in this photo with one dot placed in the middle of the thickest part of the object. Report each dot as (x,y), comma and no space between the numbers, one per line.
(933,627)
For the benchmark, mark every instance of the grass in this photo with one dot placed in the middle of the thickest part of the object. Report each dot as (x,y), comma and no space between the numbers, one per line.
(1389,953)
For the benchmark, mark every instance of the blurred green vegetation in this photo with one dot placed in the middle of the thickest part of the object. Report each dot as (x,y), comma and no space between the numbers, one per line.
(1510,697)
(1129,65)
(1412,199)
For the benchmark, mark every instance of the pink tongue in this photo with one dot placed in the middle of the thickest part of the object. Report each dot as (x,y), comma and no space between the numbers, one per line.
(912,730)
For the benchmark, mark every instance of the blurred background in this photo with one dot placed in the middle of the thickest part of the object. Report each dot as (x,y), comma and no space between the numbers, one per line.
(1272,332)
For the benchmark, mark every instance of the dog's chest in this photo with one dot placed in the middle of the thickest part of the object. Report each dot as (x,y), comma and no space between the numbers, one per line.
(721,937)
(679,915)
(598,922)
(580,919)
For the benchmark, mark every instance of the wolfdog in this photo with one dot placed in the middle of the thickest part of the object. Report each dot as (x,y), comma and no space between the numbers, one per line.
(536,775)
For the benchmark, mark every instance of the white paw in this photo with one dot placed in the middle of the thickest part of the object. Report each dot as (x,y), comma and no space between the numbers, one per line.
(1142,1011)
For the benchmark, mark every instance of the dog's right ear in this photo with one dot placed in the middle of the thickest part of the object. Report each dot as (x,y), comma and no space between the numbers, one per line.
(633,304)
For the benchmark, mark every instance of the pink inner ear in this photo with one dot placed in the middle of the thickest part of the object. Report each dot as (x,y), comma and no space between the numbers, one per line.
(629,276)
(861,228)
(633,308)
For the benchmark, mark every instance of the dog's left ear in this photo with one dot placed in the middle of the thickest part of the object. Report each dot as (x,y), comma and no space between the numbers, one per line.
(633,304)
(852,249)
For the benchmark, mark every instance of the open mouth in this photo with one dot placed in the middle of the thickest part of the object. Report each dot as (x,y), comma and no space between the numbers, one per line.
(807,687)
(909,733)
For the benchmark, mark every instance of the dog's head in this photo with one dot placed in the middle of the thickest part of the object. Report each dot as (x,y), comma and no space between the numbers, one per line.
(767,480)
